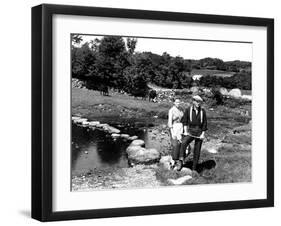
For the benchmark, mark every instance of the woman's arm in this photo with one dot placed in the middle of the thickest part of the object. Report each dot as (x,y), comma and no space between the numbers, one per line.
(170,119)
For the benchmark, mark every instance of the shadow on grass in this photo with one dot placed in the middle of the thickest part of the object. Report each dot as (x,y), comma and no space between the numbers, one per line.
(206,165)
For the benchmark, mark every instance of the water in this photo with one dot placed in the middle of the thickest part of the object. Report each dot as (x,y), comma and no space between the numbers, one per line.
(96,149)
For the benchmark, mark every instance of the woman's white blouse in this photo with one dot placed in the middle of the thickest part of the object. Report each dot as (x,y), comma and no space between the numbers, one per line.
(174,122)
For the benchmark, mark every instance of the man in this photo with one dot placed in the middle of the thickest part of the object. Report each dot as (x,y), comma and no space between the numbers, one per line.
(194,125)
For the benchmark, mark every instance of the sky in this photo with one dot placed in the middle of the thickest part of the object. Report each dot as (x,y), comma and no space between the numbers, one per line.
(191,49)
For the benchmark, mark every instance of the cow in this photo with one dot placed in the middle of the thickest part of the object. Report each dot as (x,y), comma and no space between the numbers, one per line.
(152,95)
(139,93)
(103,90)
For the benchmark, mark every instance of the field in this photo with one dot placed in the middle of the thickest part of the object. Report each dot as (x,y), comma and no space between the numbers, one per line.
(229,134)
(206,72)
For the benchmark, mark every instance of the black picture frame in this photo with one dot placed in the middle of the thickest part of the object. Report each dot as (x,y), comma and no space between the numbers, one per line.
(42,107)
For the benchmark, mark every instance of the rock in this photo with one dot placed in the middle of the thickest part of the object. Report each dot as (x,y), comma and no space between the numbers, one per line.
(85,123)
(111,129)
(103,126)
(126,136)
(134,148)
(115,135)
(167,165)
(180,180)
(166,158)
(94,123)
(133,138)
(246,97)
(212,150)
(186,171)
(194,89)
(75,118)
(138,142)
(223,91)
(140,155)
(236,93)
(80,120)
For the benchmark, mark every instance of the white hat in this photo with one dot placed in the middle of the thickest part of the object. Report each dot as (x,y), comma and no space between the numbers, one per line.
(197,98)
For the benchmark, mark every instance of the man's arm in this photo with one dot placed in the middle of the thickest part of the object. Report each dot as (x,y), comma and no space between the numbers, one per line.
(204,125)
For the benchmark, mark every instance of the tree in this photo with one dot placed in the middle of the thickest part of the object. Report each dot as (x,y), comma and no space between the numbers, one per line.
(131,45)
(82,60)
(76,39)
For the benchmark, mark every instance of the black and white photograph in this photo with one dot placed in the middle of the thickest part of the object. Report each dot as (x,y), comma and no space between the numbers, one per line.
(154,112)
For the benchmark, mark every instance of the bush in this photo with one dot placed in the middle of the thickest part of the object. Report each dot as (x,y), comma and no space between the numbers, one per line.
(235,102)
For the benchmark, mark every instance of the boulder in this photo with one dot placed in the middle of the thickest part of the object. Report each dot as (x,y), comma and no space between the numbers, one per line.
(167,162)
(140,155)
(194,89)
(246,97)
(103,126)
(115,135)
(75,118)
(126,136)
(212,150)
(223,91)
(94,123)
(80,120)
(85,123)
(180,180)
(111,129)
(133,138)
(236,93)
(166,158)
(138,142)
(186,171)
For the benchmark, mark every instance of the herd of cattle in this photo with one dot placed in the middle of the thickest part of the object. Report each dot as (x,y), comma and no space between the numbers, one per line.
(144,94)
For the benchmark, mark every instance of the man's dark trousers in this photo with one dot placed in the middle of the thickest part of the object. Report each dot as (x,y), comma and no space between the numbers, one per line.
(196,152)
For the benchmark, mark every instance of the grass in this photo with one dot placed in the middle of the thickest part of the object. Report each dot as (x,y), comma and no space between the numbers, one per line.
(223,167)
(205,72)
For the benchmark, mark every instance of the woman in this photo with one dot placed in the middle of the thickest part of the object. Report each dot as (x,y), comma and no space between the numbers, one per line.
(176,129)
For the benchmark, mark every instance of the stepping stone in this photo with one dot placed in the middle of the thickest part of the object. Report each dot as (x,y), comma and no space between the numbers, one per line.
(94,123)
(101,125)
(111,129)
(115,135)
(85,123)
(140,155)
(133,138)
(132,149)
(80,120)
(138,142)
(126,136)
